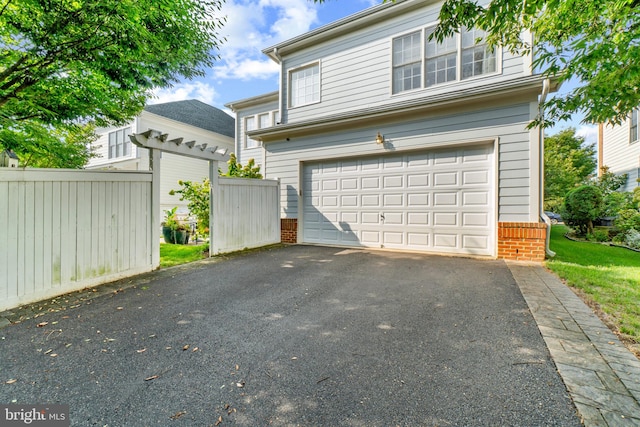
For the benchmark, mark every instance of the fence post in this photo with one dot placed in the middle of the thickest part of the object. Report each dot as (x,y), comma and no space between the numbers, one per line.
(214,192)
(156,215)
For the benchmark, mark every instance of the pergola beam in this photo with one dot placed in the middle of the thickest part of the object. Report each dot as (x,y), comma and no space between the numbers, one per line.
(157,140)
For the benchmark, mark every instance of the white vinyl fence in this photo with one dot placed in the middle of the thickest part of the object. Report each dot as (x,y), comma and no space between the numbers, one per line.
(246,214)
(64,230)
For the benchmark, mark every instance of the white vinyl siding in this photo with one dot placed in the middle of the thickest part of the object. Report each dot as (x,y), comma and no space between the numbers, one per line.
(620,153)
(305,85)
(407,62)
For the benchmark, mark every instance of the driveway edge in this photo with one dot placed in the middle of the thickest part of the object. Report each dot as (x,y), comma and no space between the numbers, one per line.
(601,374)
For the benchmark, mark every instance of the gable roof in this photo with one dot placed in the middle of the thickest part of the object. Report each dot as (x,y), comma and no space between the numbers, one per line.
(196,113)
(363,19)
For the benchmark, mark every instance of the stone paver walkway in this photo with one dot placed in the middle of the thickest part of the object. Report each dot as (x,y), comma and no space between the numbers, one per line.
(601,374)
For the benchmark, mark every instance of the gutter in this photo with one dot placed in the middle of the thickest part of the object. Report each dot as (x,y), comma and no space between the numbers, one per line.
(546,85)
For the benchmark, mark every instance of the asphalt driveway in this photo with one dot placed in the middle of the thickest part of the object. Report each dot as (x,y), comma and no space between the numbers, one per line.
(297,335)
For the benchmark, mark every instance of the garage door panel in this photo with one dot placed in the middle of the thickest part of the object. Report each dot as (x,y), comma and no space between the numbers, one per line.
(445,199)
(370,200)
(418,200)
(479,219)
(445,241)
(475,177)
(445,179)
(445,219)
(430,201)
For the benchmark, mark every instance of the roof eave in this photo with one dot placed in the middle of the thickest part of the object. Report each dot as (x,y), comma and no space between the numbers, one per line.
(532,84)
(367,17)
(254,100)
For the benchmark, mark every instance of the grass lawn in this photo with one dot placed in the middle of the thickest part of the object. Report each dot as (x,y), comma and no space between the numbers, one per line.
(608,276)
(171,255)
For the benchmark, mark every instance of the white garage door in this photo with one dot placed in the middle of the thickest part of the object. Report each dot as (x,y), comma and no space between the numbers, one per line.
(438,201)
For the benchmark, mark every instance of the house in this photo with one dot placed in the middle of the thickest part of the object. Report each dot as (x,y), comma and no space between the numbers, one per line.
(384,139)
(619,149)
(191,120)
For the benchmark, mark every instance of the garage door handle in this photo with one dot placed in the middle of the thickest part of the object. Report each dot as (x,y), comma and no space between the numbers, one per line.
(382,217)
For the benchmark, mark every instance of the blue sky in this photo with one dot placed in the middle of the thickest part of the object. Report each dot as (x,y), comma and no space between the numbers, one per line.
(252,25)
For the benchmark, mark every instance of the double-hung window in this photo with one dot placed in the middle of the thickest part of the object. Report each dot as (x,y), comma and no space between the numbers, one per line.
(477,57)
(461,56)
(119,143)
(250,124)
(305,85)
(633,127)
(407,62)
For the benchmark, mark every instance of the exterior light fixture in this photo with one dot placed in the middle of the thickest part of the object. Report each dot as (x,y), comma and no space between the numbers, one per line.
(379,138)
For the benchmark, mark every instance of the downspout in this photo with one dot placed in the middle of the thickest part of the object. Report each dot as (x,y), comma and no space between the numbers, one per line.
(277,55)
(546,85)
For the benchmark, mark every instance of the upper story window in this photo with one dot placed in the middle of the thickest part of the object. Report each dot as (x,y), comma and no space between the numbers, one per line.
(260,121)
(304,84)
(458,57)
(119,143)
(407,62)
(250,124)
(633,127)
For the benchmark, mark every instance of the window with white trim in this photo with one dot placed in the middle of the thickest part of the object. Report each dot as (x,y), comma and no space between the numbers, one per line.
(461,56)
(119,143)
(633,127)
(250,124)
(264,120)
(407,62)
(304,85)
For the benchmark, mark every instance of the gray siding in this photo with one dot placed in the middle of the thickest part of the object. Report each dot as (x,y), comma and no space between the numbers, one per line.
(356,68)
(506,124)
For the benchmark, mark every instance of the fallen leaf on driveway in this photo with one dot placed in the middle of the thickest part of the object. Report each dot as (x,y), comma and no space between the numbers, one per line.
(177,415)
(142,350)
(240,384)
(152,377)
(219,421)
(11,381)
(194,349)
(186,347)
(42,324)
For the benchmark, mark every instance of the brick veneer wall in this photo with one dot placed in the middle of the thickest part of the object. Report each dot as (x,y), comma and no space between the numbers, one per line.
(289,230)
(522,241)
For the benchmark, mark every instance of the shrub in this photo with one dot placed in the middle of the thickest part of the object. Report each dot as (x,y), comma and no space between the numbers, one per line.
(633,239)
(628,219)
(615,202)
(197,194)
(598,236)
(582,206)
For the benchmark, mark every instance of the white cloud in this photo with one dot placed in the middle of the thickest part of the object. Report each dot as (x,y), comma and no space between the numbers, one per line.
(589,133)
(253,25)
(188,90)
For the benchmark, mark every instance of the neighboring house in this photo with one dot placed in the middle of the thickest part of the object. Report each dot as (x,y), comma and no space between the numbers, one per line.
(619,149)
(389,140)
(191,120)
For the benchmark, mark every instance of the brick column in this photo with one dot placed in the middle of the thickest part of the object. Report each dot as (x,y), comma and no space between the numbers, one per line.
(522,241)
(289,230)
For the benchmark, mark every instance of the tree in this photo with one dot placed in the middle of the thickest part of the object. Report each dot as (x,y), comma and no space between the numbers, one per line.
(568,162)
(595,41)
(65,63)
(582,206)
(250,170)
